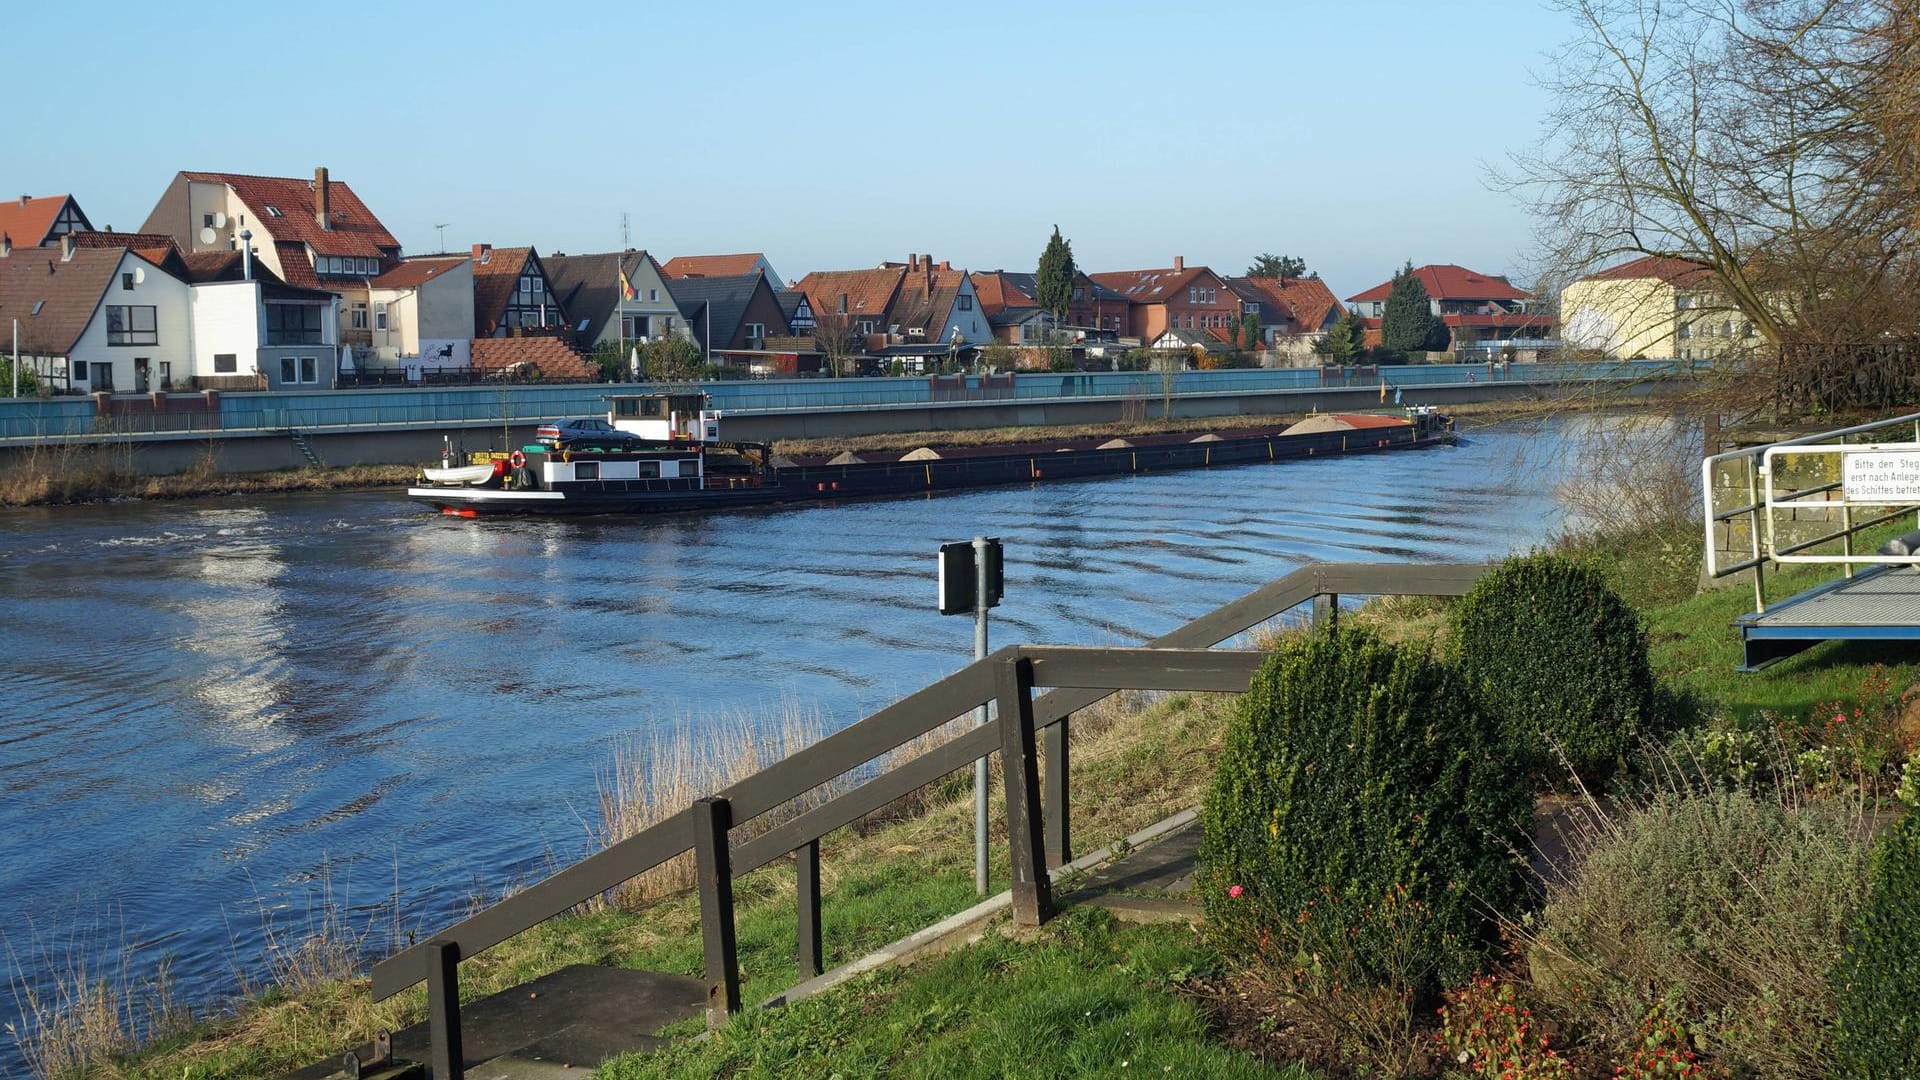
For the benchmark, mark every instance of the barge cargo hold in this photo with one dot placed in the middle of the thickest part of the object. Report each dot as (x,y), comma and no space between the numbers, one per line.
(687,472)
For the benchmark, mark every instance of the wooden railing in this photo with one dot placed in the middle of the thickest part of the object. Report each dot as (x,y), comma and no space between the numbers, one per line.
(1036,807)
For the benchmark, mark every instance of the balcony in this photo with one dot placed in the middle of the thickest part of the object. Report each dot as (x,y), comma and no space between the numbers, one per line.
(296,337)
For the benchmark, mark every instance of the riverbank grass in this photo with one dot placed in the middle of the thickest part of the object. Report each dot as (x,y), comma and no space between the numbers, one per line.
(1135,763)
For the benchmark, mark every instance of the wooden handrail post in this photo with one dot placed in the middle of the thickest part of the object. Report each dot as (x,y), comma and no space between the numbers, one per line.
(443,1010)
(1059,850)
(713,865)
(1032,891)
(806,892)
(1326,610)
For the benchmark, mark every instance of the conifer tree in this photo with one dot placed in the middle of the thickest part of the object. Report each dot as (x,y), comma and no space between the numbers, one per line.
(1409,324)
(1053,281)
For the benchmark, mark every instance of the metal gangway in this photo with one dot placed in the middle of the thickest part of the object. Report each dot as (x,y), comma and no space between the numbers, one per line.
(1807,501)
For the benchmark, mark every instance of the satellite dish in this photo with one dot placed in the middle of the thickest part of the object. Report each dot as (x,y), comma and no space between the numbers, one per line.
(208,236)
(219,220)
(139,275)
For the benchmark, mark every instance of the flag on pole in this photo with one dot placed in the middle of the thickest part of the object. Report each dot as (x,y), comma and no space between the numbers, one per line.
(627,291)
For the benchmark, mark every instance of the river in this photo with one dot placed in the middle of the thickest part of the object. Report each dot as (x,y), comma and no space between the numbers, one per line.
(224,707)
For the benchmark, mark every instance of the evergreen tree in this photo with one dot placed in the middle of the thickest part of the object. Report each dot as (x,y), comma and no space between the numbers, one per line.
(1250,331)
(1409,324)
(1346,339)
(1053,282)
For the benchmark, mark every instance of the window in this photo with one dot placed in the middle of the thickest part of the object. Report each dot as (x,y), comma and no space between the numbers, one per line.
(1193,294)
(756,331)
(132,325)
(293,324)
(126,282)
(358,315)
(1746,330)
(79,371)
(299,369)
(309,369)
(1683,301)
(206,220)
(966,303)
(380,317)
(166,374)
(226,363)
(586,470)
(866,326)
(1250,308)
(1078,294)
(653,294)
(273,211)
(1686,331)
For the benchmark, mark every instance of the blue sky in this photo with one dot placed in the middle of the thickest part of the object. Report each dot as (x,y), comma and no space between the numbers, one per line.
(828,135)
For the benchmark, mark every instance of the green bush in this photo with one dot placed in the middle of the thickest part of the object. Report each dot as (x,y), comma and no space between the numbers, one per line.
(1362,820)
(1722,910)
(1560,659)
(1877,981)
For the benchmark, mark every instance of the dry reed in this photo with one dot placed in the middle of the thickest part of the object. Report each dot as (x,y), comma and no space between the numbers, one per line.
(89,1003)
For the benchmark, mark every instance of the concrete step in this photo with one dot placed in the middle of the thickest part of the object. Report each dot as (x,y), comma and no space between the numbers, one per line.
(562,1024)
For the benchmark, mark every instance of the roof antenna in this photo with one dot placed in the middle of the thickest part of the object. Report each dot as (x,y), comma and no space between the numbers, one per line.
(442,227)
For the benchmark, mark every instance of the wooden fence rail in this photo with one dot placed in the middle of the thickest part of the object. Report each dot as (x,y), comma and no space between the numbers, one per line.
(1021,726)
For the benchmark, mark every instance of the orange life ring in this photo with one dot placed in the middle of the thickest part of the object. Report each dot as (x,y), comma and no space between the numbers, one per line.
(517,459)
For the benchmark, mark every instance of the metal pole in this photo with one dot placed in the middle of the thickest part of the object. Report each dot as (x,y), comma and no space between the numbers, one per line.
(16,358)
(980,717)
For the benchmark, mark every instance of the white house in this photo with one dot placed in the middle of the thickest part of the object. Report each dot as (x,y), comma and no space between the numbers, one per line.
(422,312)
(95,318)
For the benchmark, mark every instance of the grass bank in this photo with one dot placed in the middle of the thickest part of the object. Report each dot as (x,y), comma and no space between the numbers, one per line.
(1134,764)
(54,481)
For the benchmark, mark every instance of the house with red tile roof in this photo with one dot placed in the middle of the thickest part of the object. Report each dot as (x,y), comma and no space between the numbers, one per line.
(313,233)
(852,304)
(751,262)
(909,311)
(98,318)
(1092,307)
(1293,312)
(1179,297)
(36,222)
(512,295)
(1479,310)
(422,314)
(936,304)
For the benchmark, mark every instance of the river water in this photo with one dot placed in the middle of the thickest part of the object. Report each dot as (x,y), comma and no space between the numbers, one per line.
(222,707)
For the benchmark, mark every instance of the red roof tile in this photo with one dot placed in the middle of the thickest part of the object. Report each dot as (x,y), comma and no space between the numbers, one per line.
(354,231)
(495,276)
(26,220)
(1149,286)
(868,292)
(1306,302)
(413,273)
(1445,281)
(711,265)
(998,292)
(1682,272)
(554,356)
(294,266)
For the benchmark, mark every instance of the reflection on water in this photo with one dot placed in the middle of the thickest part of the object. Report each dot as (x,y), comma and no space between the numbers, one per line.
(210,703)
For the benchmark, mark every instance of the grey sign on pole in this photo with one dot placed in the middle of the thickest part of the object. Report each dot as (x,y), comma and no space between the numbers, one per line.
(973,578)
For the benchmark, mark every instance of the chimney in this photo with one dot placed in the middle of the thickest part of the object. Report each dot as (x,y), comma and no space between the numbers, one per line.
(843,303)
(246,254)
(6,246)
(946,264)
(482,253)
(322,212)
(23,199)
(1179,263)
(913,261)
(66,247)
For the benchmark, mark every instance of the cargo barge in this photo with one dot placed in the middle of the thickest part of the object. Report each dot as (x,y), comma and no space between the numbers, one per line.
(663,454)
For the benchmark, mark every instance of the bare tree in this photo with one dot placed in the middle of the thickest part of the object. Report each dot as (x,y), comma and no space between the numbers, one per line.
(837,335)
(1770,141)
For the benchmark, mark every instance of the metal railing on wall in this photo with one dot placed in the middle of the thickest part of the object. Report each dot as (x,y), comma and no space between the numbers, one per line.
(1036,803)
(378,407)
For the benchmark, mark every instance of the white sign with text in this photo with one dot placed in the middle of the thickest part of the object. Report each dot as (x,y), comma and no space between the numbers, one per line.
(1881,477)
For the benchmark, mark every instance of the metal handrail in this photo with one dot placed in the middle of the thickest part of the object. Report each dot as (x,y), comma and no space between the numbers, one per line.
(1038,825)
(1761,498)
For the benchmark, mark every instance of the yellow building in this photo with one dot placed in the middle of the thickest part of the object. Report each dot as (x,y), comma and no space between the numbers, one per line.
(1655,308)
